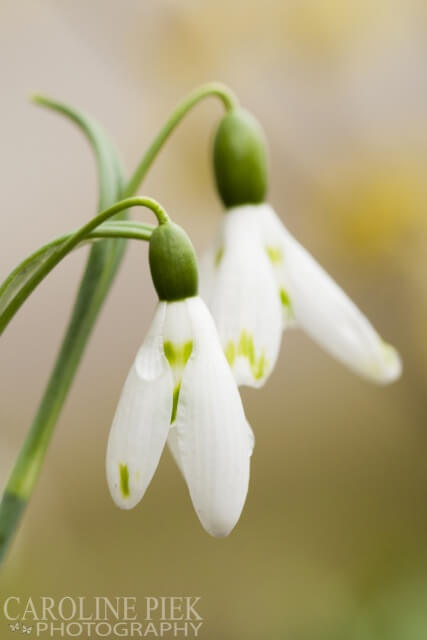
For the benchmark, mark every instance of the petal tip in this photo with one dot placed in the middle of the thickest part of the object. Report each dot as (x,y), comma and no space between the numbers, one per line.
(387,367)
(124,506)
(126,503)
(220,528)
(150,361)
(392,364)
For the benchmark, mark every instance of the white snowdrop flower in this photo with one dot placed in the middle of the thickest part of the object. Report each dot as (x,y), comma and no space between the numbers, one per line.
(181,388)
(257,279)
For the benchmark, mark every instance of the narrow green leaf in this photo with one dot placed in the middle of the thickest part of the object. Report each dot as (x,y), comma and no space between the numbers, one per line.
(107,161)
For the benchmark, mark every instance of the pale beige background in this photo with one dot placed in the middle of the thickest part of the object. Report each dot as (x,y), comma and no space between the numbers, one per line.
(332,542)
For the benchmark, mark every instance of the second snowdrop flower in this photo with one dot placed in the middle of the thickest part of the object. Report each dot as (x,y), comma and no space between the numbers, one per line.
(257,279)
(180,390)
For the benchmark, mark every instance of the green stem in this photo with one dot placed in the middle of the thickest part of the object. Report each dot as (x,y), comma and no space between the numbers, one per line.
(101,267)
(125,229)
(70,243)
(25,473)
(211,89)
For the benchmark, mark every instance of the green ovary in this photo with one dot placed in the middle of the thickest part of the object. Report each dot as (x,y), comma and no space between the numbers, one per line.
(275,254)
(124,480)
(246,349)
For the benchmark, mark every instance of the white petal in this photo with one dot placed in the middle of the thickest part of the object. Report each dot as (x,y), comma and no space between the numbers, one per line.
(141,423)
(208,266)
(150,361)
(213,437)
(329,316)
(177,327)
(244,298)
(174,447)
(271,230)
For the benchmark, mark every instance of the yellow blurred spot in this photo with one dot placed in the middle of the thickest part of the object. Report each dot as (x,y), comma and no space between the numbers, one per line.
(322,27)
(377,205)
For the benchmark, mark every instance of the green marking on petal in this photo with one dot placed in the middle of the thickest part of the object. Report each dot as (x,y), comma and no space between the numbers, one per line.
(230,352)
(275,254)
(124,480)
(218,256)
(177,354)
(246,349)
(284,298)
(175,402)
(169,351)
(186,350)
(259,369)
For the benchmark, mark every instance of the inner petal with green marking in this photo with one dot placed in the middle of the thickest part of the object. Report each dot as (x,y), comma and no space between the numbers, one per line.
(177,355)
(245,348)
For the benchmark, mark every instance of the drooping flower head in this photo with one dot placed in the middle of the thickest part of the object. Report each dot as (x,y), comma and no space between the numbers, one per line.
(180,390)
(258,280)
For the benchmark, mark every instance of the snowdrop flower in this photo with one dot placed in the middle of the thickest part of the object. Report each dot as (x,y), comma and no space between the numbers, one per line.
(257,279)
(180,389)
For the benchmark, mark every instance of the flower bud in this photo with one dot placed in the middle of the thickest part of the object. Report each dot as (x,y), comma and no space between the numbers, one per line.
(240,159)
(173,263)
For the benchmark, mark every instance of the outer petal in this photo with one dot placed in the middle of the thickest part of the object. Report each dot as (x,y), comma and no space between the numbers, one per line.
(213,437)
(329,316)
(271,230)
(141,423)
(174,447)
(243,298)
(208,265)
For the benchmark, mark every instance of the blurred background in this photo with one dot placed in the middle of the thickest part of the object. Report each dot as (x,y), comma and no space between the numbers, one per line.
(332,543)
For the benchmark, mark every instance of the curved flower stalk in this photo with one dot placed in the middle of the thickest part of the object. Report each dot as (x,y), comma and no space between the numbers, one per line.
(180,390)
(257,279)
